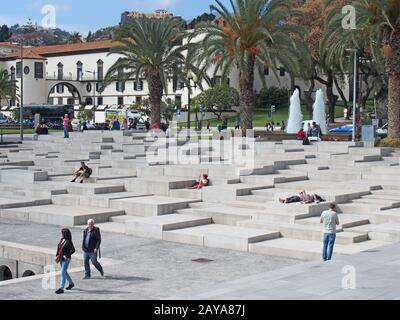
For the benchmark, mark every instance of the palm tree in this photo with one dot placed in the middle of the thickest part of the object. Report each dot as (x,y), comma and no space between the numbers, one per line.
(75,38)
(378,21)
(8,87)
(150,48)
(251,37)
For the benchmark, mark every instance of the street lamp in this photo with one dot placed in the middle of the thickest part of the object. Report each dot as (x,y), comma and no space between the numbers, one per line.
(190,77)
(21,105)
(354,92)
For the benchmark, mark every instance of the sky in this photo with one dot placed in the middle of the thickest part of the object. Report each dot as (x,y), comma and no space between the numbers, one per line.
(85,15)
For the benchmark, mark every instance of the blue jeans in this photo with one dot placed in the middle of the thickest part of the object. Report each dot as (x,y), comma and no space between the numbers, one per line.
(64,273)
(91,256)
(66,134)
(329,242)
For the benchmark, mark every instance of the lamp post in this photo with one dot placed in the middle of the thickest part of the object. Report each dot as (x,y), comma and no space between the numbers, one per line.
(354,92)
(189,87)
(21,106)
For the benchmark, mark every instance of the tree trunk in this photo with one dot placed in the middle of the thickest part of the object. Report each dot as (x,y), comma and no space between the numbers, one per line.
(393,70)
(394,106)
(308,98)
(331,98)
(156,93)
(341,93)
(246,99)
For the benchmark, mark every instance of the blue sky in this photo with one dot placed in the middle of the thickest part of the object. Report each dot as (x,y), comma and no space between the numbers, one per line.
(85,15)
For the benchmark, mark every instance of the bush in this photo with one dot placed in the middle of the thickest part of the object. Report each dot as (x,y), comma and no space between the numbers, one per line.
(390,142)
(272,96)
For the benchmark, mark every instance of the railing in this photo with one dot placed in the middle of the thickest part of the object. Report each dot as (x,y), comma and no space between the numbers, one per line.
(72,78)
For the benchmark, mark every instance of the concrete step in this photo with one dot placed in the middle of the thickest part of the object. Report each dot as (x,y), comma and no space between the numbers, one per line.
(153,227)
(345,220)
(60,215)
(220,236)
(150,205)
(308,250)
(97,200)
(186,194)
(159,185)
(389,232)
(305,232)
(93,188)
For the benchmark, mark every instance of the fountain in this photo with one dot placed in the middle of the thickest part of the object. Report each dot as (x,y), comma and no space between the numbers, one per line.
(319,111)
(295,115)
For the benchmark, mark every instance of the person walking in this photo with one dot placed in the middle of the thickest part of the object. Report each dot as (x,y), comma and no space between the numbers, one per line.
(65,249)
(91,248)
(237,124)
(330,220)
(65,123)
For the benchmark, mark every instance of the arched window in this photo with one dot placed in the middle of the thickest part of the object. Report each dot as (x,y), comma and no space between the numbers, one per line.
(5,273)
(60,75)
(79,71)
(28,273)
(100,70)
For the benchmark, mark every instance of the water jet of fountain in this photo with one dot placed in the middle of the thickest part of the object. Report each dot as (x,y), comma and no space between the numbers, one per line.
(319,111)
(295,114)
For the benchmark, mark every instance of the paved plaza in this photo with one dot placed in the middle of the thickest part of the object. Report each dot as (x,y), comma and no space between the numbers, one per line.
(154,226)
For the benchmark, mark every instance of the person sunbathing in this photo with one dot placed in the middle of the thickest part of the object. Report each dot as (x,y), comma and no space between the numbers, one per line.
(202,182)
(83,173)
(312,198)
(294,199)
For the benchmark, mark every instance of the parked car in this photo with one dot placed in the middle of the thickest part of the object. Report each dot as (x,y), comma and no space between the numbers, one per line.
(348,128)
(383,131)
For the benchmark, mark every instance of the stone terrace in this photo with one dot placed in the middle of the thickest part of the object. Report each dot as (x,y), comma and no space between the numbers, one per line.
(132,195)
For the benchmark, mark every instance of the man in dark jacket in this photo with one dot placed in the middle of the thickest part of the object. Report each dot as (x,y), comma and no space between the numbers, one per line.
(91,247)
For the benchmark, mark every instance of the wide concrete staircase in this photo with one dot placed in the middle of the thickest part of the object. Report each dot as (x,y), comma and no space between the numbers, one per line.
(133,193)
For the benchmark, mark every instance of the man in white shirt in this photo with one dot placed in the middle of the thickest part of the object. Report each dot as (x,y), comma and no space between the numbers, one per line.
(330,220)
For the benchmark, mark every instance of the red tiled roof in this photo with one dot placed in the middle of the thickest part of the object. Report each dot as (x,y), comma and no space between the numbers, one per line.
(42,52)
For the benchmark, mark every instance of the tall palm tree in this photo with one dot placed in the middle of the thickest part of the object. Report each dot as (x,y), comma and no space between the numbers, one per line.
(253,34)
(75,38)
(379,22)
(8,87)
(150,48)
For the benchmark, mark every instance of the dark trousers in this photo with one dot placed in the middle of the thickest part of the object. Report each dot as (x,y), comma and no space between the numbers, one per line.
(293,199)
(91,256)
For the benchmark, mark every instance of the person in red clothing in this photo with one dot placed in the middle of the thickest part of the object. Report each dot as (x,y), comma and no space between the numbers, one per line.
(155,126)
(301,134)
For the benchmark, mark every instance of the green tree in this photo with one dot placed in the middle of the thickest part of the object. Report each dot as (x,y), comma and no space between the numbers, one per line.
(147,50)
(86,115)
(5,33)
(75,38)
(8,87)
(27,114)
(89,37)
(379,22)
(168,108)
(272,96)
(219,99)
(255,35)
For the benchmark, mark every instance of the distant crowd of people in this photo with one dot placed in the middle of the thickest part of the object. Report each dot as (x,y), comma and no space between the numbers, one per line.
(311,133)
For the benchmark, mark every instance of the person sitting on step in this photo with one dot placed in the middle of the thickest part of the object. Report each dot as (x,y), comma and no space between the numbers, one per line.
(202,182)
(83,173)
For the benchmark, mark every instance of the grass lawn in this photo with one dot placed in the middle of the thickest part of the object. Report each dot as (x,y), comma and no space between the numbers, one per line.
(261,117)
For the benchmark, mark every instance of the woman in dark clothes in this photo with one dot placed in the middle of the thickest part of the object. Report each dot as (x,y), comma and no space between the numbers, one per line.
(65,249)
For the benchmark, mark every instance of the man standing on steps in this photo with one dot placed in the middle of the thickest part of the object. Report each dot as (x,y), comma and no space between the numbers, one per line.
(330,220)
(91,247)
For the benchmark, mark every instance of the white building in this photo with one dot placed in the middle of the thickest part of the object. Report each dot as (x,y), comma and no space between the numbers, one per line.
(72,73)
